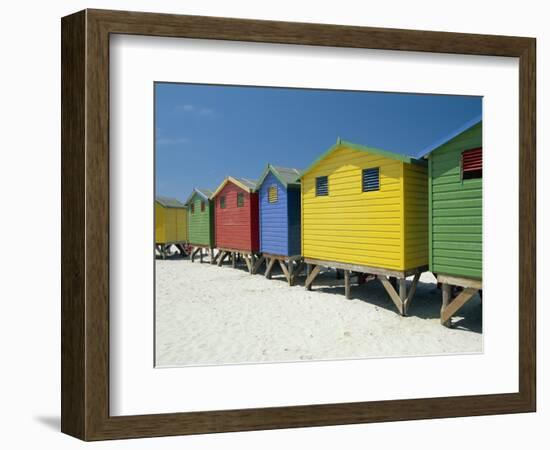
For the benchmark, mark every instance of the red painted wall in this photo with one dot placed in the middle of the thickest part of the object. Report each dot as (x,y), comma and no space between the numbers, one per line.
(236,228)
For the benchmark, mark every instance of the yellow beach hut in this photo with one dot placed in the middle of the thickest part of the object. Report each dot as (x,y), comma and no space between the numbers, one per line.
(365,211)
(170,224)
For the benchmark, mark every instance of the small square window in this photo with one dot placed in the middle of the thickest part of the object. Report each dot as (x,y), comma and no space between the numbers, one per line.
(222,202)
(192,208)
(202,206)
(272,194)
(240,200)
(472,164)
(321,186)
(371,179)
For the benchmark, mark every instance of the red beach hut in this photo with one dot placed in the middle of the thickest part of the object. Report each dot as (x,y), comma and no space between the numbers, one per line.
(236,221)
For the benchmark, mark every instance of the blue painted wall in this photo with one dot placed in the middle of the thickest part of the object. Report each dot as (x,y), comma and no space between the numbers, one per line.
(273,219)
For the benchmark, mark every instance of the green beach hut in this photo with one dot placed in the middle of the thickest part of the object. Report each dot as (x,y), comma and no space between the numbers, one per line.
(455,170)
(200,211)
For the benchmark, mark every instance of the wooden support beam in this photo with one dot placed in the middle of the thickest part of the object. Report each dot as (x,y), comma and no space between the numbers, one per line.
(252,263)
(392,293)
(233,260)
(312,275)
(367,269)
(403,294)
(257,264)
(212,257)
(215,257)
(285,270)
(223,255)
(270,264)
(201,254)
(347,284)
(459,281)
(411,292)
(291,272)
(446,299)
(297,272)
(248,263)
(194,253)
(457,303)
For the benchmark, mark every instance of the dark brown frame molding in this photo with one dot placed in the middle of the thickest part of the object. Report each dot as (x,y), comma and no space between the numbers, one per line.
(85,224)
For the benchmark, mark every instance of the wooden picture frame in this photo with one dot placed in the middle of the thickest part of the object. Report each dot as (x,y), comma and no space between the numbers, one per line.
(85,224)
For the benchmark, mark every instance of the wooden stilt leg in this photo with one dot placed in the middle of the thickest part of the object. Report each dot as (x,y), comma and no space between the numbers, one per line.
(252,263)
(411,292)
(269,268)
(313,274)
(403,294)
(291,273)
(248,262)
(347,284)
(392,293)
(223,255)
(285,270)
(298,271)
(200,255)
(257,264)
(233,262)
(457,303)
(446,295)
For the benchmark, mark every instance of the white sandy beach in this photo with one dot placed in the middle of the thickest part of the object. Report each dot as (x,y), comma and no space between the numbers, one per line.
(214,315)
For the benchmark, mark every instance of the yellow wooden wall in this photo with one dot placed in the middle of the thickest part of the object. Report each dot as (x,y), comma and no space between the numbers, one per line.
(170,224)
(160,228)
(349,225)
(387,228)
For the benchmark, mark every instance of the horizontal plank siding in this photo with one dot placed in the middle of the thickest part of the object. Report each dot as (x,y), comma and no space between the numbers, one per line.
(200,222)
(456,209)
(236,227)
(181,224)
(170,224)
(273,217)
(160,224)
(349,225)
(415,179)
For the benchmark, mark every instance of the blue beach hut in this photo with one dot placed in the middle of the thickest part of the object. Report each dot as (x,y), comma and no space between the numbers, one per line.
(280,232)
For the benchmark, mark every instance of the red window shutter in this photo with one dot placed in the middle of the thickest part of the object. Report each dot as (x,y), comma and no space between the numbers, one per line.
(472,160)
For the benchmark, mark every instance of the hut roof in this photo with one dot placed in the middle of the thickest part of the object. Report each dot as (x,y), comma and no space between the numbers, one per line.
(202,192)
(286,175)
(464,127)
(244,183)
(169,202)
(340,143)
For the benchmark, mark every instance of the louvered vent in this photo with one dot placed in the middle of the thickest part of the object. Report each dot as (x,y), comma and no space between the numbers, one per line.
(272,194)
(371,179)
(472,163)
(240,200)
(321,186)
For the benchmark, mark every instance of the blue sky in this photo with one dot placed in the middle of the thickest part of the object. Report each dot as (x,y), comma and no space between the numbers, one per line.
(204,132)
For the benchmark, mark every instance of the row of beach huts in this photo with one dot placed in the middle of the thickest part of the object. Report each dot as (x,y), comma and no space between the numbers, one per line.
(366,212)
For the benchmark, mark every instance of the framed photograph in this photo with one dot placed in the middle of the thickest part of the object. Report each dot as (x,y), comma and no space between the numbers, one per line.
(272,225)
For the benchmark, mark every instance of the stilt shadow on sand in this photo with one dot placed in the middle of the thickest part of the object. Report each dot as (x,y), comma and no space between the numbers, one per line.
(426,303)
